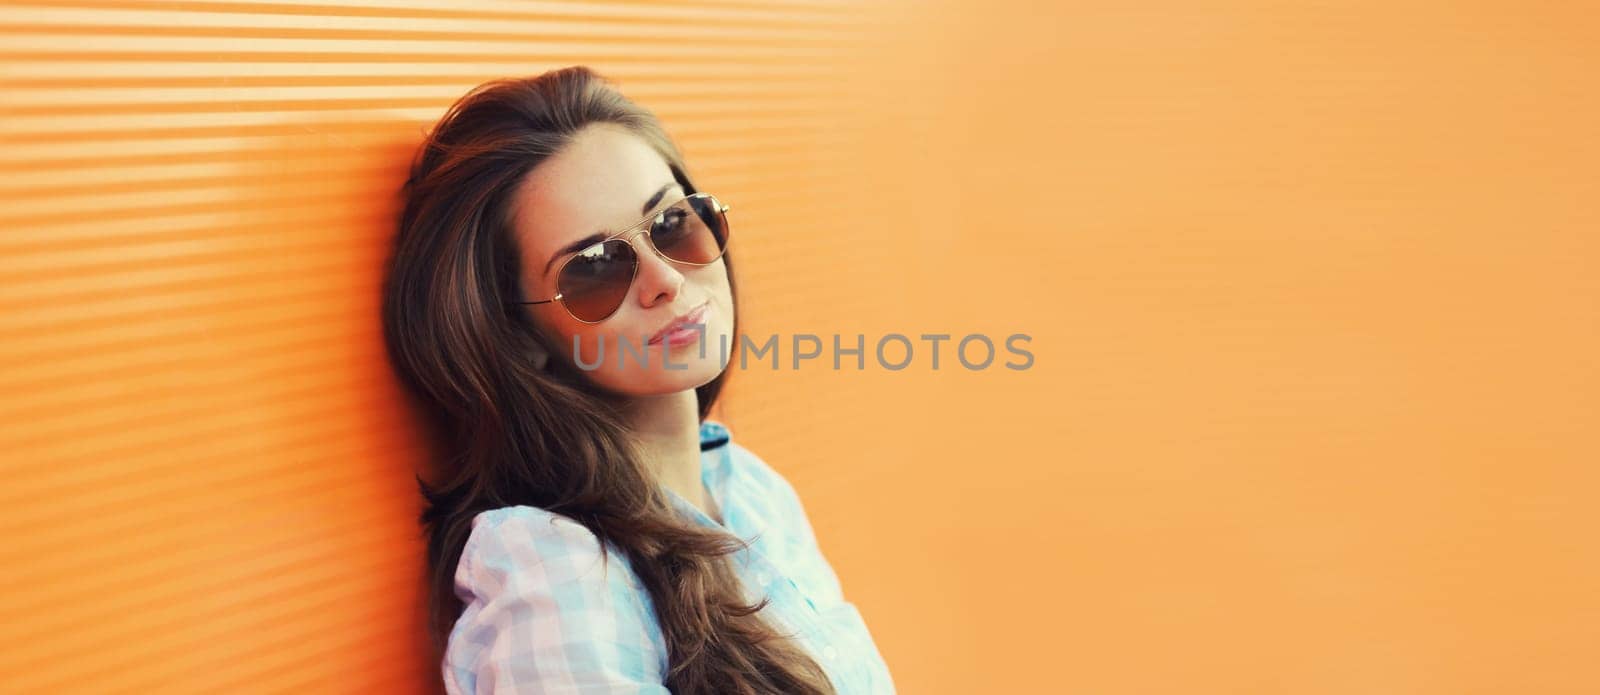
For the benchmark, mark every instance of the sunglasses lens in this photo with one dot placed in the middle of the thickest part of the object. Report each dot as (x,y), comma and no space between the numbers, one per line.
(594,282)
(692,231)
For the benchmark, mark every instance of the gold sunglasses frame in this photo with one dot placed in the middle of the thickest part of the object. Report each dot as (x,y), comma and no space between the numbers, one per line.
(632,231)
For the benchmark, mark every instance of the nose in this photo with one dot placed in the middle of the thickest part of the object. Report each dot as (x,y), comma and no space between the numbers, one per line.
(657,281)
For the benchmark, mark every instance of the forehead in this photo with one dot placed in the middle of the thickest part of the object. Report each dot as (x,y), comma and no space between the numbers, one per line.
(598,181)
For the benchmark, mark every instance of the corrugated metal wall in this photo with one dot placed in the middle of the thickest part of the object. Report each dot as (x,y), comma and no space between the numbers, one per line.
(208,477)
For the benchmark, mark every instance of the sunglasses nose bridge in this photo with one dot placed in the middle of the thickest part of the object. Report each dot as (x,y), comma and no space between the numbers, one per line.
(649,243)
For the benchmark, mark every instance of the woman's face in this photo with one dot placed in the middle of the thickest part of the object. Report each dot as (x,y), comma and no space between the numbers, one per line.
(603,181)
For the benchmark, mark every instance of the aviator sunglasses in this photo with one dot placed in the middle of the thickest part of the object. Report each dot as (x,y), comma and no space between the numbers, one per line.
(592,284)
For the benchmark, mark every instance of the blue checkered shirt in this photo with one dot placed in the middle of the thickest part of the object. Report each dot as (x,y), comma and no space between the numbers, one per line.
(544,615)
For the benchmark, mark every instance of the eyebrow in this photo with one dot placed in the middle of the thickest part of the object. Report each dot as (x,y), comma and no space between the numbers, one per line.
(592,239)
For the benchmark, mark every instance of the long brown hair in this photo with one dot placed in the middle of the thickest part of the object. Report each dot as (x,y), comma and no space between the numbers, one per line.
(513,434)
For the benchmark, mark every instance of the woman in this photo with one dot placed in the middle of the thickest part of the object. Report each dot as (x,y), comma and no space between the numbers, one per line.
(558,304)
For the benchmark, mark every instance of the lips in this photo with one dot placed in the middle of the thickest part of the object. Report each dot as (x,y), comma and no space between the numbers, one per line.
(693,316)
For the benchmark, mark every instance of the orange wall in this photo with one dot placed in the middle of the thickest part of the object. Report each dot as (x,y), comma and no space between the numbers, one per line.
(1311,293)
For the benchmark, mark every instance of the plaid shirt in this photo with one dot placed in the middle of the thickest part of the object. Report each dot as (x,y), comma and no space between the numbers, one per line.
(544,615)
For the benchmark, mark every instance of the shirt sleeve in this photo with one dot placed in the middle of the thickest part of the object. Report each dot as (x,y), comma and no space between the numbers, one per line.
(548,612)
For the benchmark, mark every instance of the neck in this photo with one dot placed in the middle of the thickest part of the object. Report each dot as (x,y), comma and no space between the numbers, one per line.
(668,428)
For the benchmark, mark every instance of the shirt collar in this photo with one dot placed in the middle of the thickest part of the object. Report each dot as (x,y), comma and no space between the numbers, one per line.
(712,435)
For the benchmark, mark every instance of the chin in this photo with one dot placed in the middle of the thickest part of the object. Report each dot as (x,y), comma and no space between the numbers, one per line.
(689,371)
(696,370)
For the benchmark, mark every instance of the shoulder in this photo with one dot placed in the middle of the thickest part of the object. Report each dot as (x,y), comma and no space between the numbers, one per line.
(525,519)
(546,606)
(522,527)
(521,544)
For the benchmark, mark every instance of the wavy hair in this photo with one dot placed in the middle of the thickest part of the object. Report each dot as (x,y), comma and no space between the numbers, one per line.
(510,433)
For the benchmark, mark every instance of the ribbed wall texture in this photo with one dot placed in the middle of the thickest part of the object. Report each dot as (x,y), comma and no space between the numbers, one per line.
(208,476)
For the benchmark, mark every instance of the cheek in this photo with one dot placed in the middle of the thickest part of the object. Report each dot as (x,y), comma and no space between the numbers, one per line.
(586,338)
(599,343)
(712,281)
(562,328)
